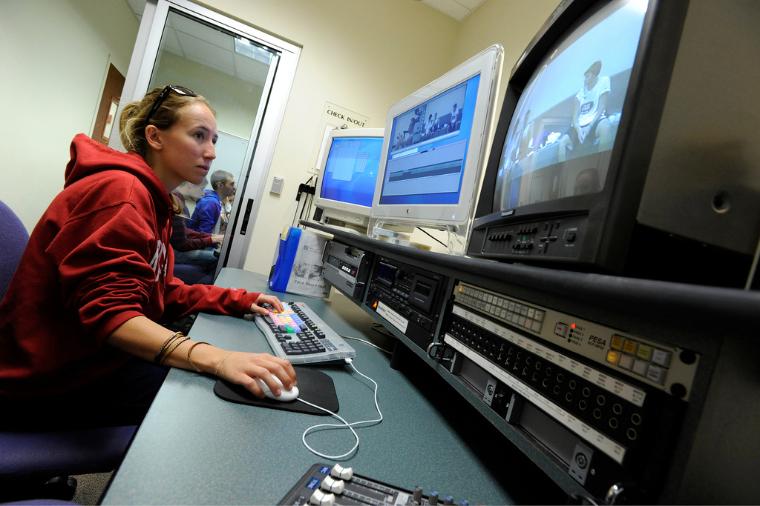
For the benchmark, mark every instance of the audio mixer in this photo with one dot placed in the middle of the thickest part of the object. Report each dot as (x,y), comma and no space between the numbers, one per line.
(324,485)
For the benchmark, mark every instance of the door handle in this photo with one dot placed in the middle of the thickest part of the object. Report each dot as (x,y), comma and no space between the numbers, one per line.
(246,217)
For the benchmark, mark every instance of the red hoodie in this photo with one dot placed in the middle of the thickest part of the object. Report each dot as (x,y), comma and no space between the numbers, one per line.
(98,257)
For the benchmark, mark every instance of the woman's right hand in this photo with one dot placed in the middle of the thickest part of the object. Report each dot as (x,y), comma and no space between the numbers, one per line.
(244,368)
(217,238)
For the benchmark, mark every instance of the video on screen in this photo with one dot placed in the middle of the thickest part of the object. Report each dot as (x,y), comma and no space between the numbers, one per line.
(435,118)
(566,120)
(428,148)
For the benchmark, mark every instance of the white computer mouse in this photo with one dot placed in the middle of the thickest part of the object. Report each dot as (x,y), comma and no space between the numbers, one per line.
(285,395)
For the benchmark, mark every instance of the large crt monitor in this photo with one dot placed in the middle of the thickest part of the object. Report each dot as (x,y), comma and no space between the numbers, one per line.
(627,144)
(431,163)
(348,167)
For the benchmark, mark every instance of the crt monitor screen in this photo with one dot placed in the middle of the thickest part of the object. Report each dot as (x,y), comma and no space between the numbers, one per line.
(351,170)
(428,148)
(562,130)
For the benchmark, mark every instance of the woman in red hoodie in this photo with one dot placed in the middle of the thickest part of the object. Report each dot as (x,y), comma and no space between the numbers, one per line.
(96,277)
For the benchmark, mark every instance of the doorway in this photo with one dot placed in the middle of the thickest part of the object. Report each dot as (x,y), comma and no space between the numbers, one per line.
(245,74)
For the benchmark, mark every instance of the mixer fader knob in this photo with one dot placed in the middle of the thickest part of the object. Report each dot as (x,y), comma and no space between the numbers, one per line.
(319,498)
(340,472)
(417,495)
(331,485)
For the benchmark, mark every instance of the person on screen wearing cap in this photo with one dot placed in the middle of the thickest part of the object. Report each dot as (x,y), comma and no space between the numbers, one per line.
(589,123)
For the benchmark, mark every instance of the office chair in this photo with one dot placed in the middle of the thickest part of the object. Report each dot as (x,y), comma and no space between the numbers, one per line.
(38,464)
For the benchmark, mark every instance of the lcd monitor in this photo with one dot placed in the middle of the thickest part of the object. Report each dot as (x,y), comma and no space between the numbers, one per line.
(616,148)
(431,163)
(348,167)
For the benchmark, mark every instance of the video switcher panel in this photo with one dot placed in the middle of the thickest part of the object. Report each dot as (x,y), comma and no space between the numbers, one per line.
(605,404)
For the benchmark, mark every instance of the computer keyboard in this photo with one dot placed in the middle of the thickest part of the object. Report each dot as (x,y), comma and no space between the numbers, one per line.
(299,335)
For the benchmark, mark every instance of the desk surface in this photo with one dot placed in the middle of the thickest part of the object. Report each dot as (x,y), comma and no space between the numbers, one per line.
(194,448)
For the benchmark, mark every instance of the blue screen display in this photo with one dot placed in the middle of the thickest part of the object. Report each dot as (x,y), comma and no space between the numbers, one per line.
(428,148)
(351,170)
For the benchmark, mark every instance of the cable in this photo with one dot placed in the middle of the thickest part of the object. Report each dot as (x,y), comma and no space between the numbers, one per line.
(438,351)
(382,330)
(369,344)
(333,425)
(345,424)
(432,237)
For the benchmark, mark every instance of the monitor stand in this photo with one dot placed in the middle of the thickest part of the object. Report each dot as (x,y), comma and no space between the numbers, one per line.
(401,234)
(345,226)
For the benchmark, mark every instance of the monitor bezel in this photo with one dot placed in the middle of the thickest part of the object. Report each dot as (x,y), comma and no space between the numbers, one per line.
(487,64)
(610,225)
(344,211)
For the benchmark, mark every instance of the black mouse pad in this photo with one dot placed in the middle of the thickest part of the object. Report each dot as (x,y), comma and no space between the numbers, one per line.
(313,386)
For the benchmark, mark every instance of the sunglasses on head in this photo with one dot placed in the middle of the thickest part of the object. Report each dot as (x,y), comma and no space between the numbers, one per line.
(179,90)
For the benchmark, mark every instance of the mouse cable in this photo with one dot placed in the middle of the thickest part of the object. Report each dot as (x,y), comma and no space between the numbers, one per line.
(345,424)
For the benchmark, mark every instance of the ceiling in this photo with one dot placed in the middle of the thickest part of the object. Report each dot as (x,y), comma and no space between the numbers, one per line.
(210,47)
(457,9)
(218,50)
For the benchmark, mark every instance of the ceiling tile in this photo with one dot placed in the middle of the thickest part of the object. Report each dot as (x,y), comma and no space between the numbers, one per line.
(205,53)
(249,70)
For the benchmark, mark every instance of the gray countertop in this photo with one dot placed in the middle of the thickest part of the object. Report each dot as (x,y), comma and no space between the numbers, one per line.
(194,448)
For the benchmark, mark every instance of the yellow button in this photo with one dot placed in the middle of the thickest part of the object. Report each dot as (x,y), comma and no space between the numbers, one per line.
(645,352)
(629,346)
(613,357)
(616,343)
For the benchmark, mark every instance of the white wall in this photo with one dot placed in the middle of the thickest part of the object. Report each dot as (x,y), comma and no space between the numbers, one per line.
(54,55)
(363,55)
(513,23)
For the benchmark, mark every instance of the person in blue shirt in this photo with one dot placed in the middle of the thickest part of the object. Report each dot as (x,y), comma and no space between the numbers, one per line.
(208,209)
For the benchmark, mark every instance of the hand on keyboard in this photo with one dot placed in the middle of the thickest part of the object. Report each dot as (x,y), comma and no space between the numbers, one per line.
(264,300)
(298,334)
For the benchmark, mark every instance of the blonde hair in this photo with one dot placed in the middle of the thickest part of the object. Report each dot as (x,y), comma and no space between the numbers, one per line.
(132,120)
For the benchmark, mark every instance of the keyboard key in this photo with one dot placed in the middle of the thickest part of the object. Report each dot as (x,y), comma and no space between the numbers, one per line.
(299,335)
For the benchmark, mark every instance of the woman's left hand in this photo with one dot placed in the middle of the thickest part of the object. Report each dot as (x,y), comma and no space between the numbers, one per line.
(271,300)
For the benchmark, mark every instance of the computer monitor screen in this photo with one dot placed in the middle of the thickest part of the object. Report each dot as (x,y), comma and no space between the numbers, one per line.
(432,159)
(428,147)
(348,170)
(565,123)
(351,170)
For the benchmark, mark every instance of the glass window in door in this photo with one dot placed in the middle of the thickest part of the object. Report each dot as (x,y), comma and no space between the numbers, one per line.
(231,72)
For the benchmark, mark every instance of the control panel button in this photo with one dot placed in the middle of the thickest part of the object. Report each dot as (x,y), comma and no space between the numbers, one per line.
(616,343)
(626,362)
(656,373)
(640,367)
(613,357)
(661,357)
(630,346)
(560,329)
(644,352)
